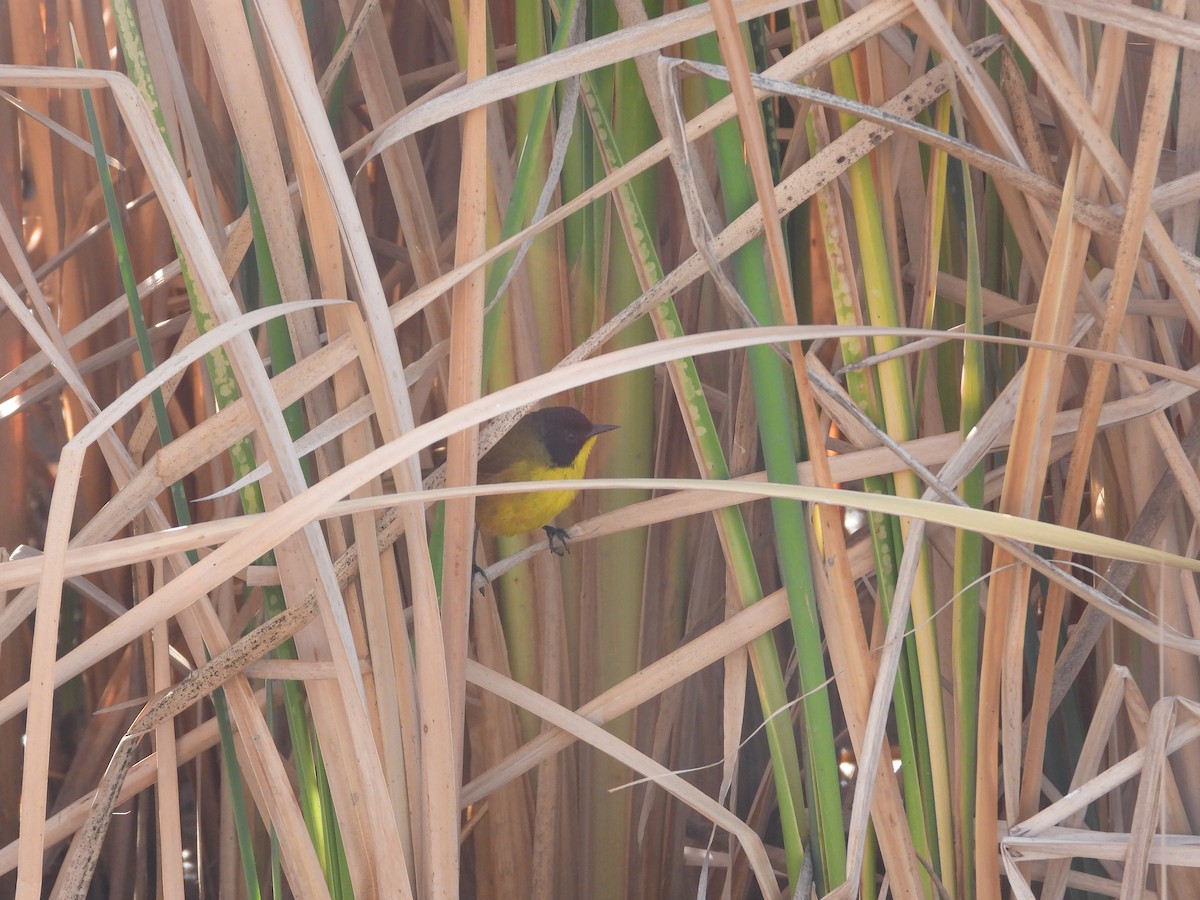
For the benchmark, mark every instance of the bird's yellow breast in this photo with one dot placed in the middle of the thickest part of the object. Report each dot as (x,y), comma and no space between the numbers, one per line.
(509,514)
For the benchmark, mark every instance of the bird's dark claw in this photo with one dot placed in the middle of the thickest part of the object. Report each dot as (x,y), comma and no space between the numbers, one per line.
(557,539)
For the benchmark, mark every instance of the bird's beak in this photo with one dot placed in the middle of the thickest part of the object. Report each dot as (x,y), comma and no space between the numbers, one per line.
(600,429)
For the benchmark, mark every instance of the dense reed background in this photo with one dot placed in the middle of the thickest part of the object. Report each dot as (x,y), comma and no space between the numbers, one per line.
(888,588)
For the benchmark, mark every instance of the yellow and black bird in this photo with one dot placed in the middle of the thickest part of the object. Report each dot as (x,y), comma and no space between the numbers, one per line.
(547,445)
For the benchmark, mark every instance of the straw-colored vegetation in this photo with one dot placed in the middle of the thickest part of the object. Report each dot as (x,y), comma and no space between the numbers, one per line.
(888,585)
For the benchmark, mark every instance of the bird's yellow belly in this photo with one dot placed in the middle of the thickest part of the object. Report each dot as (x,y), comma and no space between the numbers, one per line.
(509,514)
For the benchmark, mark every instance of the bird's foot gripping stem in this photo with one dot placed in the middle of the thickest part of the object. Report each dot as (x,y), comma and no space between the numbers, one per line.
(558,540)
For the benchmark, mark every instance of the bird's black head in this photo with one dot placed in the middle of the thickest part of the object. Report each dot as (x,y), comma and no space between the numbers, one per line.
(564,431)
